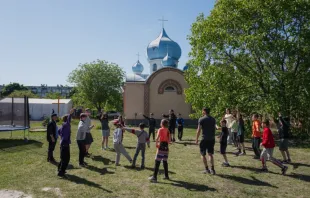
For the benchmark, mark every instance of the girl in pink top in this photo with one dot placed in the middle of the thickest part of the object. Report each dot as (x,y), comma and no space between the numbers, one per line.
(162,141)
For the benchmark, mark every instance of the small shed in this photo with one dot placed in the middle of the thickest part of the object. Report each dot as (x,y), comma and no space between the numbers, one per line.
(40,108)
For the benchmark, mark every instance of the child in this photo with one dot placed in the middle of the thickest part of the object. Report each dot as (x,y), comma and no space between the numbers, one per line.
(284,135)
(162,141)
(83,127)
(65,141)
(105,130)
(268,144)
(152,125)
(117,141)
(234,130)
(172,122)
(143,138)
(89,138)
(240,136)
(180,124)
(223,141)
(256,136)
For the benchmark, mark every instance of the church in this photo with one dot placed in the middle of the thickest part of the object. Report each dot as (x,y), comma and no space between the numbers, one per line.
(162,89)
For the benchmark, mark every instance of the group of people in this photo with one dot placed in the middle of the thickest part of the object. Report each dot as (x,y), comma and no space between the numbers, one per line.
(231,126)
(232,132)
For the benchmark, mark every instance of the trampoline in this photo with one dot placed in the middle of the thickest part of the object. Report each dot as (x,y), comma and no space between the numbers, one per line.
(14,115)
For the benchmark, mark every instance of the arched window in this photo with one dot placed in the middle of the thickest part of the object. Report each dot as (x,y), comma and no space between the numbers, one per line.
(170,89)
(154,67)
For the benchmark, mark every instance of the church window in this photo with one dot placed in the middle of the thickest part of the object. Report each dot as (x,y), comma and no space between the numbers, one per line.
(154,67)
(170,89)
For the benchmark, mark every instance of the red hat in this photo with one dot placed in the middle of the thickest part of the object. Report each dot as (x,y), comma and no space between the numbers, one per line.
(115,122)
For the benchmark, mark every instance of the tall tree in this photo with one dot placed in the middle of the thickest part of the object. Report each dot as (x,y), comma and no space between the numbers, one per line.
(266,43)
(53,95)
(98,82)
(8,89)
(22,93)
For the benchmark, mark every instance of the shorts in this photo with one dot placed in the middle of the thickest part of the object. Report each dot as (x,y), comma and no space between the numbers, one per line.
(266,153)
(223,148)
(206,146)
(240,138)
(283,144)
(172,130)
(88,139)
(106,133)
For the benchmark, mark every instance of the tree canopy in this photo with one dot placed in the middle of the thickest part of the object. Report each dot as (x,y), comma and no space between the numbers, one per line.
(252,55)
(22,93)
(97,83)
(10,88)
(53,95)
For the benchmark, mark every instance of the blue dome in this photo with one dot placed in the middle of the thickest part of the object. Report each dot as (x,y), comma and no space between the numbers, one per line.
(158,48)
(137,68)
(185,68)
(168,61)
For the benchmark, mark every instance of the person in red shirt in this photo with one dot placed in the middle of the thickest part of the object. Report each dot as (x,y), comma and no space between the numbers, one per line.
(268,144)
(162,141)
(256,136)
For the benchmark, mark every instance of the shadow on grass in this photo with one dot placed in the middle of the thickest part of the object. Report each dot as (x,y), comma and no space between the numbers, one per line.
(296,165)
(149,169)
(253,181)
(246,168)
(10,143)
(129,147)
(101,171)
(191,186)
(105,161)
(305,178)
(186,143)
(80,180)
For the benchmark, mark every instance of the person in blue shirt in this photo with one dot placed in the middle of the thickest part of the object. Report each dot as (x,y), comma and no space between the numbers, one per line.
(180,125)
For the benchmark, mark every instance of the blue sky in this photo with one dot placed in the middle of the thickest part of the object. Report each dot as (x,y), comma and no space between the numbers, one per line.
(42,41)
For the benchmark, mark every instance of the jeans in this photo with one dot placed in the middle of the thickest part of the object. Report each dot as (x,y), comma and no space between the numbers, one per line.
(180,132)
(140,147)
(82,150)
(255,145)
(64,158)
(51,148)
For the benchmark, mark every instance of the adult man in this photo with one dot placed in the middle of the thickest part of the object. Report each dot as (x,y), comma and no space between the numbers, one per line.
(152,125)
(172,123)
(207,124)
(51,136)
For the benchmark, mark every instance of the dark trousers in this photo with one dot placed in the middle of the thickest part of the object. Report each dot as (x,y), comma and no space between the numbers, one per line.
(140,147)
(235,138)
(82,149)
(152,132)
(156,168)
(51,148)
(64,158)
(255,146)
(180,132)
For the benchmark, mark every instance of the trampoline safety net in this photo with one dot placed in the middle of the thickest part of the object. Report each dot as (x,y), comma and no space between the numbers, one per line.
(14,112)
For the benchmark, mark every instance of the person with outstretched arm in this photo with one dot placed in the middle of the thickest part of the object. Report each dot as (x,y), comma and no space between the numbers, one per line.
(152,125)
(172,123)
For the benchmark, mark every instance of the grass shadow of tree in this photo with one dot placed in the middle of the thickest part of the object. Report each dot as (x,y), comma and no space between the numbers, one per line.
(305,178)
(161,171)
(253,181)
(185,143)
(80,180)
(296,165)
(10,143)
(191,186)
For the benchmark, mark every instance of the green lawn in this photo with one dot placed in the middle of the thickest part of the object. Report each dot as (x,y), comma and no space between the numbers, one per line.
(23,167)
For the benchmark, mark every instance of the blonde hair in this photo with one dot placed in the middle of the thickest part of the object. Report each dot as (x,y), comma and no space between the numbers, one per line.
(164,123)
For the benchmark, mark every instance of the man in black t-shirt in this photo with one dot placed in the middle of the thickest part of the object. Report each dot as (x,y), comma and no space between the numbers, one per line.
(172,123)
(208,125)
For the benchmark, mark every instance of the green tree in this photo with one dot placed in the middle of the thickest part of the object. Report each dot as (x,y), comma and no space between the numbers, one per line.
(262,47)
(97,82)
(22,93)
(8,89)
(53,95)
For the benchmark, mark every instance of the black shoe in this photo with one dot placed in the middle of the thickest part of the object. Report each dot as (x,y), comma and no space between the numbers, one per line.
(83,165)
(166,178)
(212,171)
(206,172)
(284,169)
(264,170)
(142,167)
(289,161)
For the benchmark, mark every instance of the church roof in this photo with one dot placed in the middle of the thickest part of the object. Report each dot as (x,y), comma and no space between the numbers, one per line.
(134,78)
(158,48)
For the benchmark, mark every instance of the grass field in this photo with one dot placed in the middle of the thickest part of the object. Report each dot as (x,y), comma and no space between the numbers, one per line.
(23,167)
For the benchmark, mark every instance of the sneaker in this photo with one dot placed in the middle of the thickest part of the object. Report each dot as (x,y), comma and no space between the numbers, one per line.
(284,162)
(264,170)
(243,153)
(206,172)
(166,178)
(212,171)
(62,175)
(82,165)
(153,179)
(284,169)
(117,164)
(237,153)
(224,164)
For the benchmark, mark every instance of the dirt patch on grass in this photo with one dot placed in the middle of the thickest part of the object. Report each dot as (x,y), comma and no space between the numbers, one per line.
(13,194)
(54,190)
